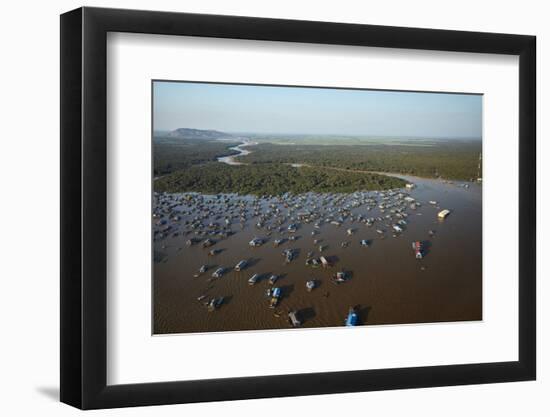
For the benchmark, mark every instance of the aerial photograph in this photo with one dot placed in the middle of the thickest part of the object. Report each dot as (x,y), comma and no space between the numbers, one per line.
(286,207)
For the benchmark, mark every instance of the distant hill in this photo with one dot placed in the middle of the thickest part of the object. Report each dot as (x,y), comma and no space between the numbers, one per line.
(187,133)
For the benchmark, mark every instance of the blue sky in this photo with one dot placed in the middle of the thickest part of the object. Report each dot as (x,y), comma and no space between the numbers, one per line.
(265,109)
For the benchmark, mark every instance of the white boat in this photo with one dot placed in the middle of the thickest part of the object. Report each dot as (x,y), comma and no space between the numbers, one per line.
(310,285)
(397,228)
(215,303)
(218,273)
(207,243)
(340,277)
(313,262)
(256,242)
(253,279)
(288,254)
(293,319)
(273,279)
(364,243)
(443,214)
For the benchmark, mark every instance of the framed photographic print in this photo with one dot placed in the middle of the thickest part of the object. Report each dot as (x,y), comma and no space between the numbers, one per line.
(257,208)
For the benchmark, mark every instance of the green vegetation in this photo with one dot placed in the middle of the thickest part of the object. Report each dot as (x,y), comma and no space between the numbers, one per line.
(456,159)
(173,154)
(271,179)
(190,163)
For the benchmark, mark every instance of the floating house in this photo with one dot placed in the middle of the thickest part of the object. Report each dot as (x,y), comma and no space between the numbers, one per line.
(256,242)
(418,249)
(218,273)
(241,265)
(253,279)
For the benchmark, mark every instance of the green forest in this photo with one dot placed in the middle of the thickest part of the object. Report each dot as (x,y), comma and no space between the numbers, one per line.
(457,160)
(182,165)
(270,179)
(171,154)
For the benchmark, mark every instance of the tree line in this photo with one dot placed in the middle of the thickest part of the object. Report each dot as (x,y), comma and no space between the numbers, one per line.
(270,179)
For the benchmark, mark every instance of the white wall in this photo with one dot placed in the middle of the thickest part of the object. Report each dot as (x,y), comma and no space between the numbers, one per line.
(30,205)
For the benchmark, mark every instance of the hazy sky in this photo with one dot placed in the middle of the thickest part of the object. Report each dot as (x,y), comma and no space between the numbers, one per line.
(260,109)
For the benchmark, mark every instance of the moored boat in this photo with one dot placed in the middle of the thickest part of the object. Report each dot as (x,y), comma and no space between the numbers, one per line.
(207,243)
(253,279)
(352,318)
(418,249)
(340,277)
(241,265)
(218,273)
(275,297)
(256,242)
(294,319)
(215,303)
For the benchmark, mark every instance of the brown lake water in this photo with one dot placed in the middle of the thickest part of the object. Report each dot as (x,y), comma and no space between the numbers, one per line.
(387,284)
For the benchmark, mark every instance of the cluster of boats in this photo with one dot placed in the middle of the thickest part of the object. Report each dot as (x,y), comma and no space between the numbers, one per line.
(205,220)
(216,217)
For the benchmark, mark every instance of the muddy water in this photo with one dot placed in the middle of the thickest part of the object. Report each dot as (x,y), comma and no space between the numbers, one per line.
(387,286)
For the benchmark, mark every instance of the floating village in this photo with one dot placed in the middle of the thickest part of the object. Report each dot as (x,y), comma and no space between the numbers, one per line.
(195,220)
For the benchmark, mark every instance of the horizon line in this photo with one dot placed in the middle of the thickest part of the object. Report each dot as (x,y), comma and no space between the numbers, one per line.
(355,135)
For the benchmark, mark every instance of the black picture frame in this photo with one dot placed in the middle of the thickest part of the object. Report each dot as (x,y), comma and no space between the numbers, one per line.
(84,207)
